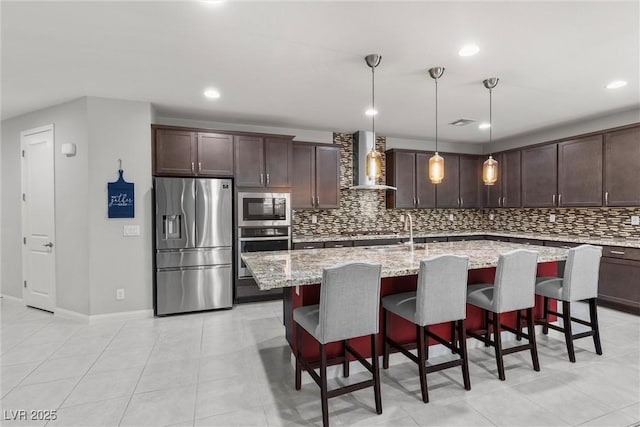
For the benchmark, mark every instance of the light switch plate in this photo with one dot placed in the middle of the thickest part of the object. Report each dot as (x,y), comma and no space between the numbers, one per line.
(552,218)
(491,217)
(119,294)
(450,217)
(314,219)
(635,220)
(401,218)
(131,230)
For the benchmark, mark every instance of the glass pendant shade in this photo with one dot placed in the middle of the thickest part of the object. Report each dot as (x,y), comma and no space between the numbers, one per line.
(490,171)
(373,164)
(436,169)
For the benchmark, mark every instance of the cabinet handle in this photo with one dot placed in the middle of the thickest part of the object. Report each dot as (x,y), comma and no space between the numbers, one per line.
(461,201)
(499,202)
(261,179)
(606,198)
(559,199)
(267,179)
(617,252)
(338,246)
(193,167)
(308,247)
(312,204)
(504,200)
(553,200)
(317,201)
(199,166)
(418,200)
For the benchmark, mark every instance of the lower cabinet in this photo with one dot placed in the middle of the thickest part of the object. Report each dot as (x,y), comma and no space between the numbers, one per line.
(619,287)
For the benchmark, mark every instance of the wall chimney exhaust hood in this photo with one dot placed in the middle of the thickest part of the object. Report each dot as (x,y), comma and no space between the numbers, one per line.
(362,144)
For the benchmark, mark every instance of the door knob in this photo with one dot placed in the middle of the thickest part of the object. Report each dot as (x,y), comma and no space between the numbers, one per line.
(48,245)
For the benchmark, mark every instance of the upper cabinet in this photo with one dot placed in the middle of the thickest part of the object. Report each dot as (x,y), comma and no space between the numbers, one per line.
(408,172)
(448,191)
(187,153)
(470,180)
(262,161)
(505,193)
(540,176)
(622,167)
(316,176)
(580,172)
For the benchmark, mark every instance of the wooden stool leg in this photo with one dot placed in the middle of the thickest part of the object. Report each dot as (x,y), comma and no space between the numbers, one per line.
(532,340)
(462,345)
(487,327)
(323,386)
(385,352)
(568,336)
(421,363)
(345,362)
(497,338)
(519,325)
(453,337)
(593,306)
(298,356)
(376,373)
(545,325)
(426,343)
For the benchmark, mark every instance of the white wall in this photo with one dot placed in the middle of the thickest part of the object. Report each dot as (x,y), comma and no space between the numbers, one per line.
(430,145)
(71,205)
(567,130)
(119,130)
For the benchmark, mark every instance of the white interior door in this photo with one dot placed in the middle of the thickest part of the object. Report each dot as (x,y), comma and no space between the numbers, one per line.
(38,218)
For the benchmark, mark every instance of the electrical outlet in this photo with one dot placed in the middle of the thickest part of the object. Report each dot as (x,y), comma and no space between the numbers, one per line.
(635,220)
(401,218)
(131,230)
(491,217)
(314,219)
(120,294)
(552,218)
(450,217)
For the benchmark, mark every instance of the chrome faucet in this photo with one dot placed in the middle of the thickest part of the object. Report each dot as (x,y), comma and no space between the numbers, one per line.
(408,221)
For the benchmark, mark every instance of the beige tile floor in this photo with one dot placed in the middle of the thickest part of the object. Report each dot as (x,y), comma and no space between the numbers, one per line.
(233,367)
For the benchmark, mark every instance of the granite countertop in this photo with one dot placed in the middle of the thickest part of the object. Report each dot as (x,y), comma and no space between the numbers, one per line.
(602,241)
(281,269)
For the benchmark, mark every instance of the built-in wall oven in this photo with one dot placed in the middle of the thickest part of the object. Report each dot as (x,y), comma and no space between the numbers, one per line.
(259,239)
(264,209)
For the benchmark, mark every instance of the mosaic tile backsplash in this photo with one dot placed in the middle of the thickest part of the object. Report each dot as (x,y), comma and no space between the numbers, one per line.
(365,211)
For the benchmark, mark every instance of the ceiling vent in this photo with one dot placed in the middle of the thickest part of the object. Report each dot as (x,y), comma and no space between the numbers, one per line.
(462,122)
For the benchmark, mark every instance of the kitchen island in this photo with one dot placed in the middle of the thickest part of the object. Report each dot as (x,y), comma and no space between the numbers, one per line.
(300,273)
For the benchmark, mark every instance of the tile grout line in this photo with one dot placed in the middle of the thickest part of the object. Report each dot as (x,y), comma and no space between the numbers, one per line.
(195,400)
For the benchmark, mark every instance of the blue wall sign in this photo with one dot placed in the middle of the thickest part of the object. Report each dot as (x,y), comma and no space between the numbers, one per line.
(121,198)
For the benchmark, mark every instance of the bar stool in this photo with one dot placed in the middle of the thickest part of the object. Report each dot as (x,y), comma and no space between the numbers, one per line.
(580,282)
(513,290)
(439,298)
(349,308)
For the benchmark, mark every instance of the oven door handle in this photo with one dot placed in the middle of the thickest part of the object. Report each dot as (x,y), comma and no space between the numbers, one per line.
(262,239)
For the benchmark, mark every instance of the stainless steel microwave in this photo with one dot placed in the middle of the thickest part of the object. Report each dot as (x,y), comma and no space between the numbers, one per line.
(264,209)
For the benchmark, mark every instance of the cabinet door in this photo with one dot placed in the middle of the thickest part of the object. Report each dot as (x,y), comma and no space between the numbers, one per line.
(468,182)
(511,195)
(249,161)
(402,171)
(327,171)
(175,152)
(617,287)
(494,192)
(425,189)
(448,191)
(622,167)
(303,170)
(539,176)
(580,172)
(215,154)
(277,159)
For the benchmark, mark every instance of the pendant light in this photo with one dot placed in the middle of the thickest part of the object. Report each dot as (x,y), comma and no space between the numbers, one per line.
(436,162)
(490,166)
(374,158)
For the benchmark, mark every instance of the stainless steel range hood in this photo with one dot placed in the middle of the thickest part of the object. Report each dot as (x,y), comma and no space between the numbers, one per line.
(363,143)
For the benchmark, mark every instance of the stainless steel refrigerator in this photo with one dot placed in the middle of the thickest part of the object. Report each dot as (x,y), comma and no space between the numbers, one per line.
(194,259)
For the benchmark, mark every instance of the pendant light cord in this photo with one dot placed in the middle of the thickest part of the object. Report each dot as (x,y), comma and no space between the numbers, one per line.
(373,107)
(490,121)
(436,115)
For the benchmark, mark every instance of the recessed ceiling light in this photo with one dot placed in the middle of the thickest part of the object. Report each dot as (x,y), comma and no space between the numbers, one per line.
(212,2)
(484,125)
(469,50)
(616,84)
(212,93)
(371,112)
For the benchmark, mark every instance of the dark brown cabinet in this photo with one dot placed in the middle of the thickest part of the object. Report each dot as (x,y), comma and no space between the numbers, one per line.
(618,286)
(262,161)
(408,172)
(580,172)
(185,152)
(316,176)
(505,193)
(448,191)
(622,167)
(540,176)
(470,178)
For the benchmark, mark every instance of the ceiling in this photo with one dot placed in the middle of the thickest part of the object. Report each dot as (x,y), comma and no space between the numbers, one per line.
(301,64)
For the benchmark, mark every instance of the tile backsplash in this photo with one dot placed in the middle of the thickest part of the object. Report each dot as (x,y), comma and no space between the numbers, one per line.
(365,211)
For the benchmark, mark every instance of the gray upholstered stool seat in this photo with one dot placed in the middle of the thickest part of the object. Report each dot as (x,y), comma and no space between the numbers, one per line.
(440,298)
(513,290)
(349,308)
(580,282)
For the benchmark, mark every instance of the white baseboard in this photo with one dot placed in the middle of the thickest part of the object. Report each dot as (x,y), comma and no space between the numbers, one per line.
(12,298)
(102,318)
